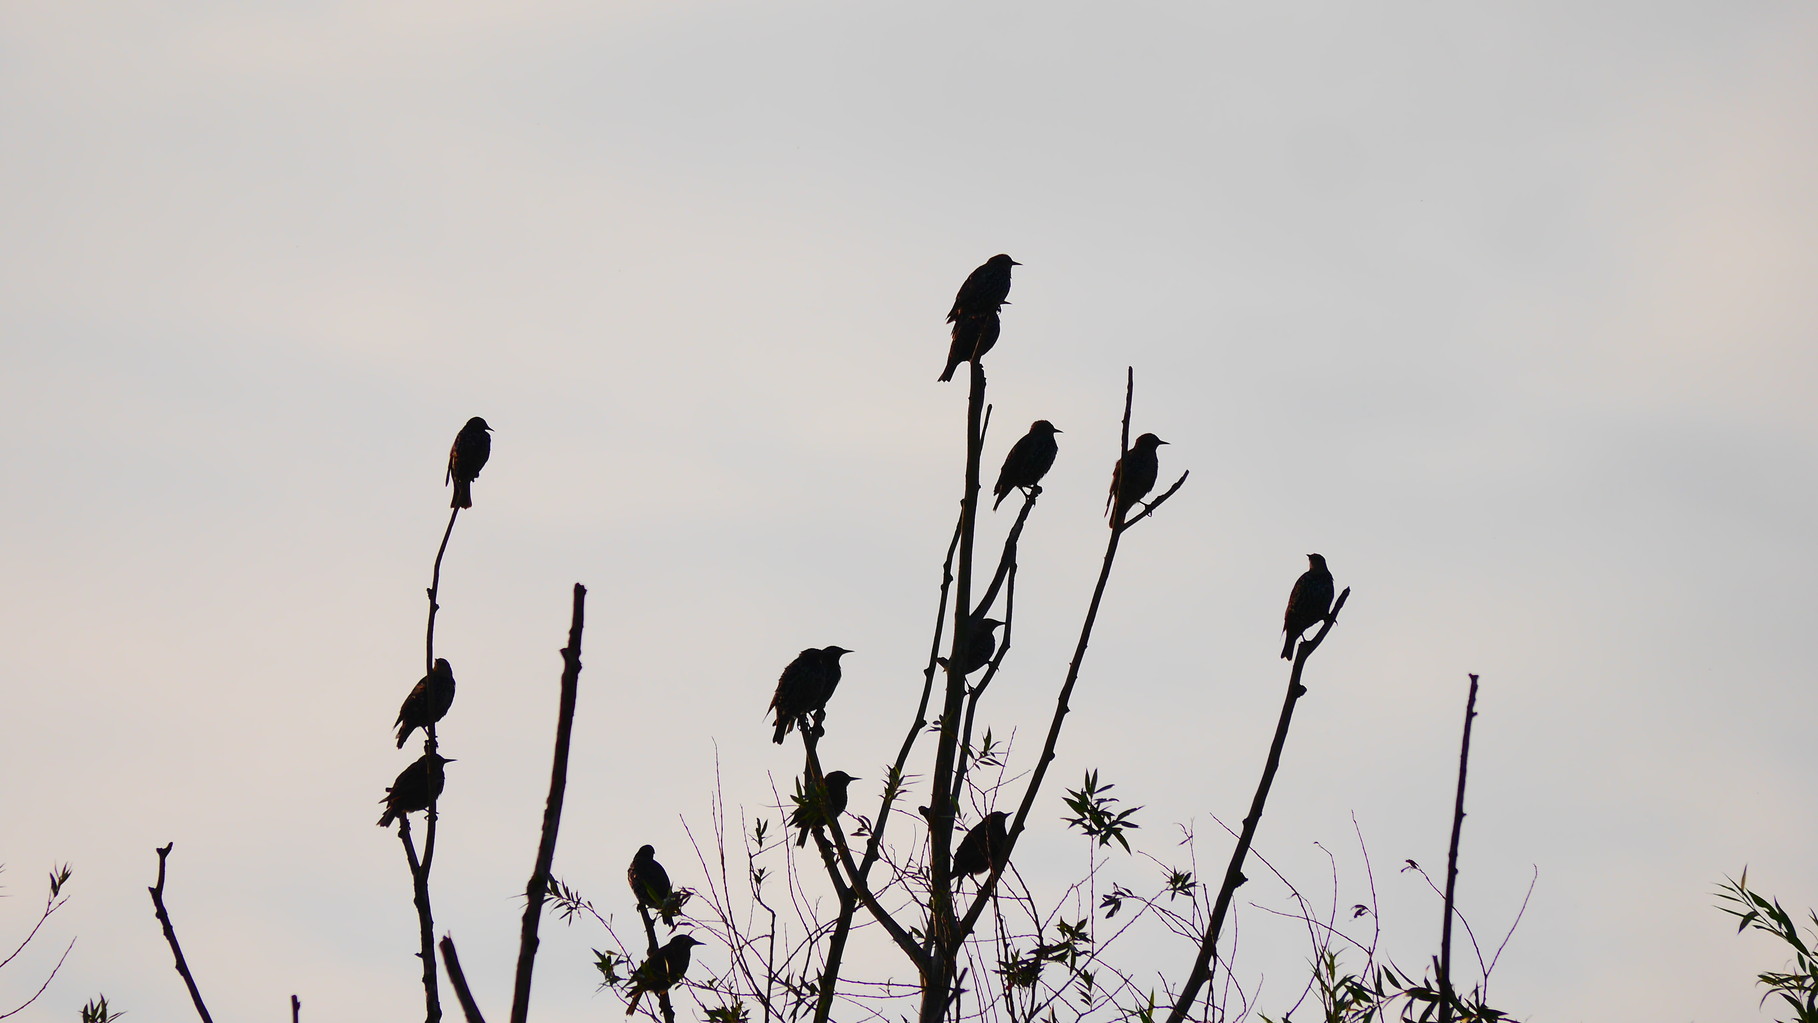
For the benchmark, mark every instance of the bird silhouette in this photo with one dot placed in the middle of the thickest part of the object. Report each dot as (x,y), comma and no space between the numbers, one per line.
(416,787)
(985,289)
(1308,604)
(974,334)
(1029,460)
(663,970)
(805,686)
(980,645)
(650,883)
(472,446)
(428,701)
(985,847)
(1133,477)
(808,815)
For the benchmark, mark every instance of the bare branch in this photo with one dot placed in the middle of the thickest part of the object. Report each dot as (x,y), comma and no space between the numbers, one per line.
(170,935)
(458,980)
(538,886)
(1448,998)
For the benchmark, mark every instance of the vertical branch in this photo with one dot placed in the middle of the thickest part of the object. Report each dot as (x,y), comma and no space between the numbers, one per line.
(296,1009)
(1234,873)
(538,886)
(435,586)
(426,925)
(663,1003)
(941,808)
(1447,997)
(458,981)
(170,935)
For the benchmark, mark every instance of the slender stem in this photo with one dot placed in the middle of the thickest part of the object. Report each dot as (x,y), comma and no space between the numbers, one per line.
(651,947)
(458,981)
(1447,996)
(426,925)
(170,935)
(435,586)
(44,986)
(1234,873)
(296,1009)
(978,691)
(538,886)
(941,808)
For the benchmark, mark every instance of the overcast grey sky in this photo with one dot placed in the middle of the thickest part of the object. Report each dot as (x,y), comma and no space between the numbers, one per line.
(1507,310)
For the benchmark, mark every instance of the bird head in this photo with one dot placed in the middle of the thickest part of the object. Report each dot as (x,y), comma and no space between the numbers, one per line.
(1149,440)
(835,652)
(989,623)
(686,941)
(1043,426)
(442,666)
(1002,260)
(1318,561)
(476,421)
(646,852)
(839,779)
(439,758)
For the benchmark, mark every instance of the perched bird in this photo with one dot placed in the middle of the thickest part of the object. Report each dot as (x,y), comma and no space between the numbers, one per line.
(1029,460)
(663,970)
(472,446)
(985,289)
(428,702)
(973,336)
(416,787)
(650,883)
(985,847)
(805,686)
(808,814)
(980,645)
(1134,476)
(1308,604)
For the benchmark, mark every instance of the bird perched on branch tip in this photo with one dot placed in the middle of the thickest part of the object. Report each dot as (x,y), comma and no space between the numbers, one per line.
(985,847)
(985,289)
(663,970)
(650,883)
(805,686)
(809,815)
(1029,460)
(428,701)
(472,446)
(973,336)
(1309,603)
(416,787)
(1133,477)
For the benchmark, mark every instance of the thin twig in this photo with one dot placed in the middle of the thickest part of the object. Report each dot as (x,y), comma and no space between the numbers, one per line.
(435,586)
(296,1009)
(538,886)
(1447,996)
(1234,873)
(47,982)
(426,925)
(170,935)
(458,980)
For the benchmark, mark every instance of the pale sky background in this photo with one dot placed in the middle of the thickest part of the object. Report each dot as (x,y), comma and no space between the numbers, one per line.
(1507,310)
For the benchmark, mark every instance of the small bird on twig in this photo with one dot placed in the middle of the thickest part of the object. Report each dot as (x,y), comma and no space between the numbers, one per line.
(663,970)
(428,702)
(1134,476)
(973,336)
(472,446)
(985,847)
(808,815)
(650,883)
(985,289)
(805,686)
(1308,604)
(1029,460)
(980,646)
(416,787)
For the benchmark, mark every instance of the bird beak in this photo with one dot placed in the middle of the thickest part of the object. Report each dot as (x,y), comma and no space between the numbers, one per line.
(1015,263)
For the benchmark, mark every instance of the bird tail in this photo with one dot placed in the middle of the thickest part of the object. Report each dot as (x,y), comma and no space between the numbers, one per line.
(631,1007)
(947,374)
(404,731)
(801,839)
(1000,498)
(1287,648)
(782,728)
(463,494)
